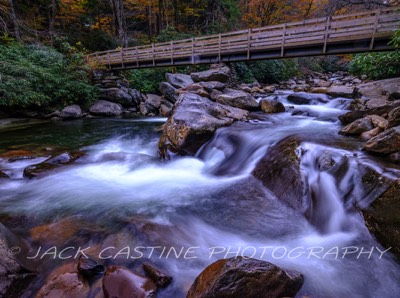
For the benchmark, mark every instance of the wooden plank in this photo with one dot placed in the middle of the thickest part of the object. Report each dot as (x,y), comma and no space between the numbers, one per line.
(283,40)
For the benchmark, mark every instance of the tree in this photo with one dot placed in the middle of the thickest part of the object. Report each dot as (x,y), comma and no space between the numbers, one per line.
(14,20)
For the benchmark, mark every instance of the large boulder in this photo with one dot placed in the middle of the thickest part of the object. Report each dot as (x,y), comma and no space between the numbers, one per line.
(382,218)
(105,108)
(14,276)
(272,106)
(341,91)
(302,98)
(116,95)
(170,92)
(194,121)
(279,168)
(238,99)
(220,74)
(385,143)
(394,117)
(123,283)
(166,108)
(151,104)
(378,93)
(358,127)
(179,80)
(210,86)
(245,277)
(71,112)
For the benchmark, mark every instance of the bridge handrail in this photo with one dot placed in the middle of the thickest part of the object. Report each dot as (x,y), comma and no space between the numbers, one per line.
(376,22)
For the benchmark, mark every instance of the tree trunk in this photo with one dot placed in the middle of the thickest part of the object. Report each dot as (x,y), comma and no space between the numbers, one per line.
(52,16)
(120,21)
(15,20)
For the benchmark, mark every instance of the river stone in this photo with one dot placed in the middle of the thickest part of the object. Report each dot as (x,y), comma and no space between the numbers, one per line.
(71,112)
(340,91)
(386,143)
(220,74)
(214,94)
(210,86)
(378,121)
(89,268)
(170,92)
(394,117)
(378,93)
(166,108)
(302,98)
(382,218)
(245,277)
(105,108)
(178,80)
(272,106)
(3,175)
(194,121)
(280,167)
(238,99)
(160,278)
(116,95)
(123,283)
(151,104)
(358,127)
(67,285)
(367,135)
(14,274)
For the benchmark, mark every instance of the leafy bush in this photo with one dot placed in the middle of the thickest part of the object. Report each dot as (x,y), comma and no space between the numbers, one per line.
(38,76)
(376,65)
(271,71)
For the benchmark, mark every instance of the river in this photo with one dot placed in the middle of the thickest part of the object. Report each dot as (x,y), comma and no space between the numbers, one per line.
(124,205)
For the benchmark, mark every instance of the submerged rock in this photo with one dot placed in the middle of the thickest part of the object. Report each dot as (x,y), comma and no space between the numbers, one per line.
(123,283)
(194,122)
(66,285)
(245,277)
(3,175)
(161,279)
(302,98)
(89,268)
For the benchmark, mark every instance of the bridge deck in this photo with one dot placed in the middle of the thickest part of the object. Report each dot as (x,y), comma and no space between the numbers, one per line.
(340,34)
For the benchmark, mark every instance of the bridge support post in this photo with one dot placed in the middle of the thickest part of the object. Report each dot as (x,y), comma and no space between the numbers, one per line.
(377,14)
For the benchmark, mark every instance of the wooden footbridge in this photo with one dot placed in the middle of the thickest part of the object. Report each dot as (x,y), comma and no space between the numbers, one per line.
(339,34)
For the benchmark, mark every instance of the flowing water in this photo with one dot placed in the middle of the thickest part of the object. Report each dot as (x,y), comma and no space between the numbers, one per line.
(190,211)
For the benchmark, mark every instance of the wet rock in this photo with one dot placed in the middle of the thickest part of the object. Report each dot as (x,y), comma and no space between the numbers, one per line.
(341,91)
(151,104)
(210,86)
(242,277)
(178,80)
(380,111)
(116,95)
(137,96)
(40,169)
(382,218)
(67,285)
(385,143)
(123,283)
(160,278)
(272,106)
(358,127)
(220,74)
(367,135)
(214,94)
(195,89)
(194,122)
(71,112)
(279,168)
(105,108)
(269,89)
(394,117)
(395,157)
(378,121)
(166,108)
(89,268)
(321,90)
(302,98)
(170,92)
(14,276)
(3,175)
(238,99)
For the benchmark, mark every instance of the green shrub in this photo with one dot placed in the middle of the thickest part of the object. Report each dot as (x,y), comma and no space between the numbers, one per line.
(38,76)
(272,71)
(376,65)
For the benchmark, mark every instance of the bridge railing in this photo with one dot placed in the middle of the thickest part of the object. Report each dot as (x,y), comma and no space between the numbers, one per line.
(320,31)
